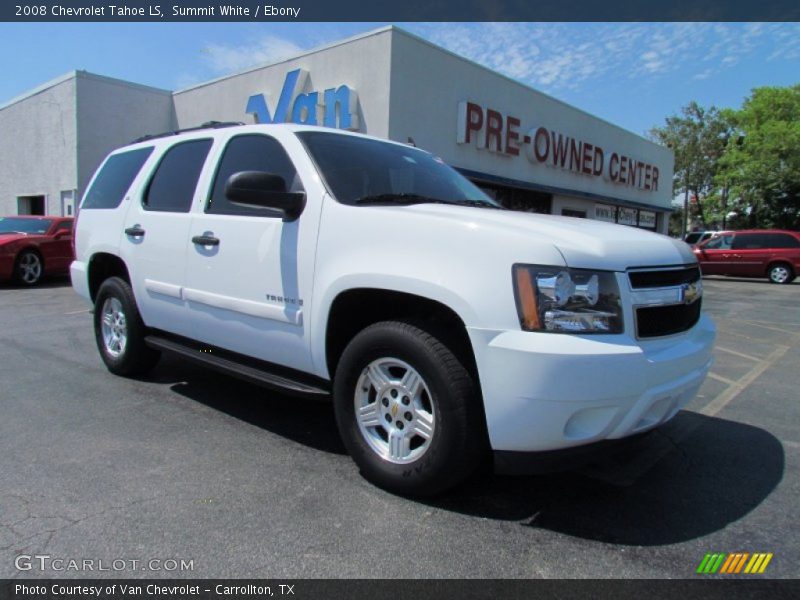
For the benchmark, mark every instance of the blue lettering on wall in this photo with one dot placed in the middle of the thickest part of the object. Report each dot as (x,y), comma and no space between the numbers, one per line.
(339,108)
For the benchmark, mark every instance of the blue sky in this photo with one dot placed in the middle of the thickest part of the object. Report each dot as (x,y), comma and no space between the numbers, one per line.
(631,74)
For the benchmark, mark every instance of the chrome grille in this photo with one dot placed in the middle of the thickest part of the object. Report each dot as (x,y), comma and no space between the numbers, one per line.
(666,301)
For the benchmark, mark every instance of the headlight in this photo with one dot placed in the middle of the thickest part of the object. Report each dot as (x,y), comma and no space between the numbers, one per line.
(560,299)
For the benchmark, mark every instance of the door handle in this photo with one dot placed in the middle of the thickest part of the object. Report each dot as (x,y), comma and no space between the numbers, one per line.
(205,240)
(135,231)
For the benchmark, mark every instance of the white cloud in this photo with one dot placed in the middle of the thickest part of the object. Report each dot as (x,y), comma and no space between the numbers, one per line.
(229,58)
(554,56)
(703,75)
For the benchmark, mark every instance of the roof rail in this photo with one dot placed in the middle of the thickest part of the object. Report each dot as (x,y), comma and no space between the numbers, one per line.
(206,125)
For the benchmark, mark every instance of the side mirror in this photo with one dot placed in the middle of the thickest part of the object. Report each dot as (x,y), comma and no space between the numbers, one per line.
(260,190)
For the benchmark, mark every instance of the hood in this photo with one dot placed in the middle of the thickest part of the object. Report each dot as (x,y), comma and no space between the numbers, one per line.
(584,243)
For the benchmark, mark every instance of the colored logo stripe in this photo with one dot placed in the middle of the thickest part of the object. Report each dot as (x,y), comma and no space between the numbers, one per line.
(734,563)
(710,563)
(758,563)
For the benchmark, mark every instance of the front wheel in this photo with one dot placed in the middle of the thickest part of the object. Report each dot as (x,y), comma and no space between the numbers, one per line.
(408,410)
(29,268)
(780,273)
(119,330)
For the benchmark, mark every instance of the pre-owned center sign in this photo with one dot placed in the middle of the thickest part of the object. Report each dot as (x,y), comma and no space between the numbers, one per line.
(495,132)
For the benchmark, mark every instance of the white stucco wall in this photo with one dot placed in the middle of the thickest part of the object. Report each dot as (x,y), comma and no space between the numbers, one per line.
(53,138)
(38,137)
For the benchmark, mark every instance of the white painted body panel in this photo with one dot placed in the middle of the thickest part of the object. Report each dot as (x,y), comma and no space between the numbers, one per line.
(542,391)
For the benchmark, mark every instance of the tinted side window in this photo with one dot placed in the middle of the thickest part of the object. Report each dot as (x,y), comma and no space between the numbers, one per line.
(252,152)
(783,240)
(115,178)
(64,226)
(173,185)
(751,241)
(721,242)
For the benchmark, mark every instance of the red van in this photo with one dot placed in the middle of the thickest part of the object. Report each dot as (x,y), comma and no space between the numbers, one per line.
(771,253)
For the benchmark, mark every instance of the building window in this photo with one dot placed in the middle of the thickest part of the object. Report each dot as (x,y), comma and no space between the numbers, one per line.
(518,198)
(571,212)
(31,205)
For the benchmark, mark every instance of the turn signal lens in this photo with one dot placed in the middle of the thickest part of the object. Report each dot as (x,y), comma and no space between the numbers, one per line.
(526,299)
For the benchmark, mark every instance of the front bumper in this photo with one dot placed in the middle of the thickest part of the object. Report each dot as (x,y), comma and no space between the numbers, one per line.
(545,391)
(80,279)
(6,267)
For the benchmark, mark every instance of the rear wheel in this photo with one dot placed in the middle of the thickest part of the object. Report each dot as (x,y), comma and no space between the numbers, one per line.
(408,410)
(780,273)
(119,330)
(29,268)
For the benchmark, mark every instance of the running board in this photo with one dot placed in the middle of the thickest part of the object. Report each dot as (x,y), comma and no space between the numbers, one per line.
(257,372)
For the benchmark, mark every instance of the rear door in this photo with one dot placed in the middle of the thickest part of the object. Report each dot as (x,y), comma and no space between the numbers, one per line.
(750,254)
(156,235)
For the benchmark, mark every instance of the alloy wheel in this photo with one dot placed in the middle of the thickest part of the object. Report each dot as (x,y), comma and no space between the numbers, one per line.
(114,327)
(394,409)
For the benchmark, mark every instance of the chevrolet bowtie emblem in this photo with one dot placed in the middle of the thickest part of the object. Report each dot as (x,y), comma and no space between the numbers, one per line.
(691,291)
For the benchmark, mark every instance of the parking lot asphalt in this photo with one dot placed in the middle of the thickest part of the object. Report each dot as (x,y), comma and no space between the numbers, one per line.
(188,464)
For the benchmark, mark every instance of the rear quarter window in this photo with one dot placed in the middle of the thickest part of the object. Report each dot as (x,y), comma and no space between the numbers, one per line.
(783,240)
(115,178)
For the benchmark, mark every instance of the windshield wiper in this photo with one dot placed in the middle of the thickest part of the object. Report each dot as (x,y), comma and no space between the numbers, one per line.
(395,199)
(407,199)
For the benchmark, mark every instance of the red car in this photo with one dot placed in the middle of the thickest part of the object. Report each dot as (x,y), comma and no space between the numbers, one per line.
(32,247)
(771,253)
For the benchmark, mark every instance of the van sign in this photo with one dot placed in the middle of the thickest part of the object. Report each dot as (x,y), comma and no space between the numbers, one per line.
(338,107)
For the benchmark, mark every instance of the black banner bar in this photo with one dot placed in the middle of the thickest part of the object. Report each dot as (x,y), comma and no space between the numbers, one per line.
(404,10)
(400,589)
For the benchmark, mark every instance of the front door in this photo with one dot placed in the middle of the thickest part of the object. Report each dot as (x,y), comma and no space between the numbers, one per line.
(249,272)
(750,254)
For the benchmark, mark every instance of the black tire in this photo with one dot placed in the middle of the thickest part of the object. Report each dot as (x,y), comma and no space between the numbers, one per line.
(780,273)
(134,357)
(458,443)
(22,273)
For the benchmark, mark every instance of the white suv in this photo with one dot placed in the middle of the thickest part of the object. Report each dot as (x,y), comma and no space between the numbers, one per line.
(320,262)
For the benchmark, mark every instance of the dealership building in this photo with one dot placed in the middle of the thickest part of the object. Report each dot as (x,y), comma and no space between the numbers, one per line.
(527,150)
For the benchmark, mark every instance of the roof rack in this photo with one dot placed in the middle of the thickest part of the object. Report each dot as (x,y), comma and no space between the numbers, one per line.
(206,125)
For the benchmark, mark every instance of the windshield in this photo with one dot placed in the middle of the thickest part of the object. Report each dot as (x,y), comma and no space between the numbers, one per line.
(12,225)
(358,170)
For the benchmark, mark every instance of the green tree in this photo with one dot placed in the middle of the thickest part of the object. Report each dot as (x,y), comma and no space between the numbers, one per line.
(762,173)
(698,137)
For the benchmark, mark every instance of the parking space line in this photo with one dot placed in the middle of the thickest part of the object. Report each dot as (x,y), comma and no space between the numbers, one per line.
(77,312)
(737,353)
(721,401)
(755,324)
(724,380)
